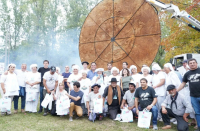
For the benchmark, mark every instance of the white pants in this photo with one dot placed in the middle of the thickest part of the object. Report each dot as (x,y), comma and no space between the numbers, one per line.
(160,100)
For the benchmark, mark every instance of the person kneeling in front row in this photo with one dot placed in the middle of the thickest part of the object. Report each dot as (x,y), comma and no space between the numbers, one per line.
(177,107)
(90,106)
(129,99)
(147,97)
(75,105)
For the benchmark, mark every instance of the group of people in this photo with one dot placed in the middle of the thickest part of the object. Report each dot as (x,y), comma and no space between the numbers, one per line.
(167,93)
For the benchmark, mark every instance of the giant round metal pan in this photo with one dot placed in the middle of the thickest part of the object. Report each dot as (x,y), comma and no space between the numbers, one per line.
(120,31)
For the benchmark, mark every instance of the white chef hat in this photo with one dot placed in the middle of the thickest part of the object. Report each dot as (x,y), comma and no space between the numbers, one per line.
(57,68)
(11,65)
(99,69)
(156,67)
(75,67)
(114,68)
(133,67)
(33,65)
(169,65)
(145,67)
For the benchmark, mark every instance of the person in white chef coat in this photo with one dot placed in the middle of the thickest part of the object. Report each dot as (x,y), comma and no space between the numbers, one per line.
(145,74)
(158,82)
(9,85)
(114,74)
(74,77)
(33,80)
(85,88)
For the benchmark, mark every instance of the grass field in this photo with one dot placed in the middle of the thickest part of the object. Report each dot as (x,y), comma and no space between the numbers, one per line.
(38,122)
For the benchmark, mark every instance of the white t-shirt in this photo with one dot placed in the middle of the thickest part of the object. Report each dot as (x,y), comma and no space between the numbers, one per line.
(101,82)
(10,84)
(33,77)
(108,79)
(92,97)
(50,80)
(85,86)
(130,98)
(21,76)
(149,79)
(136,78)
(73,78)
(160,91)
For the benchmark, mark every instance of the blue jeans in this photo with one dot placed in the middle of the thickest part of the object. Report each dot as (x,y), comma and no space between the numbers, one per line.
(22,94)
(41,97)
(196,105)
(154,111)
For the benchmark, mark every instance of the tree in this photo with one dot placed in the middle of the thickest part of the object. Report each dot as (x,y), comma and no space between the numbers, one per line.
(182,39)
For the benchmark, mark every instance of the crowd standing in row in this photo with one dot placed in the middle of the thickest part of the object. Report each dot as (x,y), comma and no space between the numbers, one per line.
(165,92)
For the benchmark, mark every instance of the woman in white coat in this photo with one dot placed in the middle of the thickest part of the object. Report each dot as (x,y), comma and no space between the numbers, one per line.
(9,85)
(158,83)
(114,74)
(145,74)
(135,75)
(100,79)
(85,88)
(33,80)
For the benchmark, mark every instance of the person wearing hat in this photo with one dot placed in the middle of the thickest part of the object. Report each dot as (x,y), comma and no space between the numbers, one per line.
(147,97)
(85,88)
(99,79)
(33,79)
(50,81)
(21,75)
(90,106)
(85,66)
(9,85)
(176,106)
(108,72)
(146,74)
(158,82)
(184,68)
(114,74)
(129,99)
(42,71)
(74,77)
(135,75)
(114,96)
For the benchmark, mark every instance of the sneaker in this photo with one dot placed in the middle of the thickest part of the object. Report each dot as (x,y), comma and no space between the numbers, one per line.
(155,127)
(161,120)
(70,119)
(45,114)
(175,122)
(172,120)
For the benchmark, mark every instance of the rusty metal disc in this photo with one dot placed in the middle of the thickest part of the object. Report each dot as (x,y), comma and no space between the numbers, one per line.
(120,31)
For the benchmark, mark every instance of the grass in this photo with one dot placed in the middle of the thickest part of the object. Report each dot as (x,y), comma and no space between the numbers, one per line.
(38,122)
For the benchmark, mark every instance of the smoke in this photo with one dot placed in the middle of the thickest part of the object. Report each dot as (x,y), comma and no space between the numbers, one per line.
(63,52)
